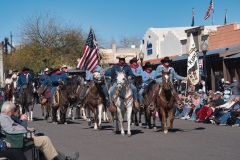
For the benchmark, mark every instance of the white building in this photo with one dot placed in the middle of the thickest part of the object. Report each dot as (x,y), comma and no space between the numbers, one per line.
(161,42)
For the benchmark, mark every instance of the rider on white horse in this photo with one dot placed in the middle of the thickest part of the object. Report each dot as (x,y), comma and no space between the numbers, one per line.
(119,67)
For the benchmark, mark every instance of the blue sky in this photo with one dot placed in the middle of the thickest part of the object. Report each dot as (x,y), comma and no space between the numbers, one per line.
(116,18)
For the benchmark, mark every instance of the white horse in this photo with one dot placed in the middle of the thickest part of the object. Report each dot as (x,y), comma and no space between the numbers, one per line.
(123,100)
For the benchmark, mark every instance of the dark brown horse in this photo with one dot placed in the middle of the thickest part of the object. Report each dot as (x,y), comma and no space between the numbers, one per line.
(94,100)
(149,103)
(137,82)
(62,98)
(45,101)
(165,101)
(8,91)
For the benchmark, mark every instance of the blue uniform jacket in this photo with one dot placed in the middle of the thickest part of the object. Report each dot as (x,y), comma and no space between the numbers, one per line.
(45,80)
(55,78)
(107,73)
(173,74)
(64,76)
(138,71)
(146,77)
(126,68)
(22,80)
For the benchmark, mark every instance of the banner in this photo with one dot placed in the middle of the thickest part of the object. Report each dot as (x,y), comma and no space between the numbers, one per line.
(192,64)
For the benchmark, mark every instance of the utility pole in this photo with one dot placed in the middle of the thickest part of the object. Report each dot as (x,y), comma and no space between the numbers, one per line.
(11,40)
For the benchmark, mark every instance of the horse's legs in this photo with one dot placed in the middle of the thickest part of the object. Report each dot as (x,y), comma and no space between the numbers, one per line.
(120,118)
(171,116)
(63,113)
(154,119)
(100,108)
(117,121)
(129,112)
(148,117)
(164,119)
(54,114)
(83,113)
(42,107)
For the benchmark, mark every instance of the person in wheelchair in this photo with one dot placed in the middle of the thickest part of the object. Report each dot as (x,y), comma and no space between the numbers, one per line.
(23,79)
(147,77)
(42,142)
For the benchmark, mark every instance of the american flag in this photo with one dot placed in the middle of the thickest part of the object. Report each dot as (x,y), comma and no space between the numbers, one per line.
(90,57)
(210,7)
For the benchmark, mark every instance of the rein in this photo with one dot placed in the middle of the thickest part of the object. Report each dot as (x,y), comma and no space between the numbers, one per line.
(126,99)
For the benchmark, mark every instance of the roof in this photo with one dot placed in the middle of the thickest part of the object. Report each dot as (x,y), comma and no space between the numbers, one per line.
(233,56)
(210,52)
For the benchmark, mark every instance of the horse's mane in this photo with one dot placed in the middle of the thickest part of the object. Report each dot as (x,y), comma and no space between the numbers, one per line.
(149,88)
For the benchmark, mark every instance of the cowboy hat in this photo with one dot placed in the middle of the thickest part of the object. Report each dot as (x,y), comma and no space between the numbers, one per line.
(227,82)
(111,62)
(148,65)
(14,70)
(134,59)
(46,70)
(56,68)
(25,69)
(166,59)
(10,72)
(218,92)
(121,56)
(64,66)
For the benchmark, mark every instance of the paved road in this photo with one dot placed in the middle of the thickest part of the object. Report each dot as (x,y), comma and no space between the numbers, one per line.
(187,141)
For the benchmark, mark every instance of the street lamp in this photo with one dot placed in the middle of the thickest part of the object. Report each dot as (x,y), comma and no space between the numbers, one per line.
(204,48)
(141,56)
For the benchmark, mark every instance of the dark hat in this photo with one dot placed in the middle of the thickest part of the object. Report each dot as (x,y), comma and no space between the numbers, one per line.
(166,59)
(56,68)
(134,59)
(25,69)
(147,65)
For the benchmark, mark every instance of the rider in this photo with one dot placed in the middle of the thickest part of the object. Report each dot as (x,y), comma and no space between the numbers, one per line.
(23,79)
(46,83)
(165,66)
(56,81)
(108,78)
(136,69)
(147,77)
(122,66)
(8,80)
(64,74)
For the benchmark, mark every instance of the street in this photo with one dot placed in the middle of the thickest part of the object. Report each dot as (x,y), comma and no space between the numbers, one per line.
(188,140)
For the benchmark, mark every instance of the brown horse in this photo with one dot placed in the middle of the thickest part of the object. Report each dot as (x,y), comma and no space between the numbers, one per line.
(8,91)
(94,100)
(165,101)
(149,103)
(45,101)
(62,99)
(137,82)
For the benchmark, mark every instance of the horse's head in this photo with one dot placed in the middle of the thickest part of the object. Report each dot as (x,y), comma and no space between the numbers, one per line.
(121,80)
(97,77)
(166,80)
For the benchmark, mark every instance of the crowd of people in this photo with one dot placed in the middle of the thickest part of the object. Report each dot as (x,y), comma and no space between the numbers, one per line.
(219,108)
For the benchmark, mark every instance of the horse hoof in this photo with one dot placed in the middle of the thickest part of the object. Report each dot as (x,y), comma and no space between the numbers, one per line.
(129,134)
(65,123)
(140,124)
(155,128)
(166,131)
(89,123)
(55,123)
(123,134)
(73,118)
(147,127)
(132,124)
(100,127)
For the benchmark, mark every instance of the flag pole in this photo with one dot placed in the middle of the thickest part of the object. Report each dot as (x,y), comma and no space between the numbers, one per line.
(225,19)
(192,16)
(212,15)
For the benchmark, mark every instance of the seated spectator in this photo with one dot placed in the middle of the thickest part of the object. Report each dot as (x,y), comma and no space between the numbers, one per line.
(42,142)
(12,154)
(205,112)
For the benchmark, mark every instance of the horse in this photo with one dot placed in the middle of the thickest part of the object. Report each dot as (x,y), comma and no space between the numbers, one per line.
(8,92)
(45,103)
(94,100)
(137,82)
(77,82)
(150,102)
(61,100)
(165,101)
(27,99)
(123,100)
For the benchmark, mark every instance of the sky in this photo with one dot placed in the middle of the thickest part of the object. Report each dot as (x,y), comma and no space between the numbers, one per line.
(117,18)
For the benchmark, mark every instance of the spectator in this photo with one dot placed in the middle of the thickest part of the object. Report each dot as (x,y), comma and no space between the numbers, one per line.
(42,142)
(235,87)
(227,91)
(12,154)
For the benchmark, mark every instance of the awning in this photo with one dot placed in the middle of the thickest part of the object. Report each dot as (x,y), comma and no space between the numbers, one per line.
(233,56)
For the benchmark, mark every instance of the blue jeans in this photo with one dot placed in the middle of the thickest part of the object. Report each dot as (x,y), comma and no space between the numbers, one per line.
(223,119)
(106,87)
(140,96)
(52,92)
(134,89)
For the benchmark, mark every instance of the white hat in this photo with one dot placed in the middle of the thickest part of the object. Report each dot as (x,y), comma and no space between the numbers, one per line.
(46,70)
(64,66)
(121,56)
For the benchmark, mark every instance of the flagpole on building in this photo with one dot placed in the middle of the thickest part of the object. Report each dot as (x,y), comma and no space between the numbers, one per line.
(192,17)
(212,14)
(225,19)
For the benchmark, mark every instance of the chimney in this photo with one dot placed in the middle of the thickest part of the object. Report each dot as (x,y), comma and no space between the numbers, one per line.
(114,48)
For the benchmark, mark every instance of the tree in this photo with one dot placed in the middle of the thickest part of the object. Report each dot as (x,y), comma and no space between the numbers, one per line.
(47,43)
(126,42)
